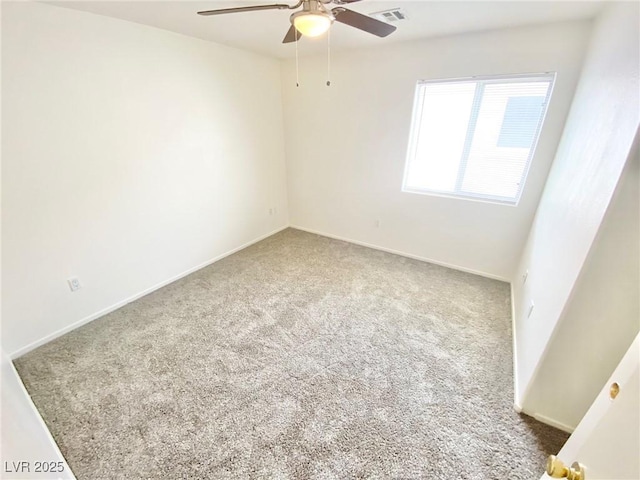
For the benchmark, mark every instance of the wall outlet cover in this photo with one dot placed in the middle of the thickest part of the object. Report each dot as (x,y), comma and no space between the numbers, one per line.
(74,284)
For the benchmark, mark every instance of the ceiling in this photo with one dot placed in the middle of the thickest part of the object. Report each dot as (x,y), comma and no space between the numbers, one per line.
(263,31)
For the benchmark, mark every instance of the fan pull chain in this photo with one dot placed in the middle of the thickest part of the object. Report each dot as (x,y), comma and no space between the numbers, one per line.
(297,69)
(329,58)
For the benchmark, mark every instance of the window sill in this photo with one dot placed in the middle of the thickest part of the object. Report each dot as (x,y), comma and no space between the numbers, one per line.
(453,196)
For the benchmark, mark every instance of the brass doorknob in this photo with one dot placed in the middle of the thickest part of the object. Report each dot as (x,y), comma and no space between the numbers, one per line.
(557,469)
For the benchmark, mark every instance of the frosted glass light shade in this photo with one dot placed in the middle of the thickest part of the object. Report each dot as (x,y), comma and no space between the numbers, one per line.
(312,24)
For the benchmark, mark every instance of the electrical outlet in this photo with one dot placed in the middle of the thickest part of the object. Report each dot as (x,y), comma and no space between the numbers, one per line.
(74,284)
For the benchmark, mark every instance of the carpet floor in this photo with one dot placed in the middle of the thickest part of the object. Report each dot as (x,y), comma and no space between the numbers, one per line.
(300,357)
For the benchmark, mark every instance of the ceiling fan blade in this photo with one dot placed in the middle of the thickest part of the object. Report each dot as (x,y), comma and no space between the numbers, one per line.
(344,2)
(221,11)
(363,22)
(292,35)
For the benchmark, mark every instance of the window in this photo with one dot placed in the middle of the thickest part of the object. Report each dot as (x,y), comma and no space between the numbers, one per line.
(475,137)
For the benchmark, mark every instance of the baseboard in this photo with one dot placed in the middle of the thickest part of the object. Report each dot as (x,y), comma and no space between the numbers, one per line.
(402,254)
(517,403)
(553,423)
(105,311)
(68,474)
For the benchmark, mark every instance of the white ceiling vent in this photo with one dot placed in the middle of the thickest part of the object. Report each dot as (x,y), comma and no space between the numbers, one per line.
(390,16)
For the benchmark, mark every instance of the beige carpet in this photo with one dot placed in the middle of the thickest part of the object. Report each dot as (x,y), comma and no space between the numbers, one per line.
(300,357)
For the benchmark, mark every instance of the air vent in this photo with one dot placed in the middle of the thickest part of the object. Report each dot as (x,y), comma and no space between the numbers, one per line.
(390,16)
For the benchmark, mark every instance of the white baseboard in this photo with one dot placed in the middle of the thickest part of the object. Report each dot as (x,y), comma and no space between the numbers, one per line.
(517,403)
(402,254)
(553,423)
(67,473)
(104,311)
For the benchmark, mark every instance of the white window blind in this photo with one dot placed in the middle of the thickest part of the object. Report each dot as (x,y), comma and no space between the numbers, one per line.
(475,138)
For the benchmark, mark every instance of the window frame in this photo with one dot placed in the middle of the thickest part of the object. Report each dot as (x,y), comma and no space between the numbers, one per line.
(416,120)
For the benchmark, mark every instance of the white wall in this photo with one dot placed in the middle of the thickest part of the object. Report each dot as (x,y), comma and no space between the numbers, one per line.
(602,316)
(346,144)
(595,145)
(130,155)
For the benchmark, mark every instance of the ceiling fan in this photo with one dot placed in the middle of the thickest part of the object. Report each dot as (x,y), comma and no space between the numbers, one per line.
(316,18)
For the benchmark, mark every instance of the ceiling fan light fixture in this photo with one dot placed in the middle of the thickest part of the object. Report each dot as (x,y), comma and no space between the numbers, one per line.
(312,24)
